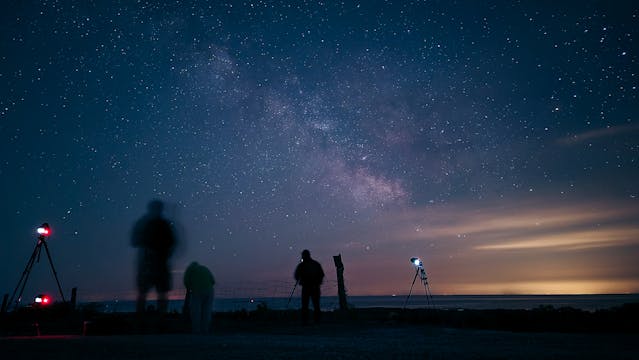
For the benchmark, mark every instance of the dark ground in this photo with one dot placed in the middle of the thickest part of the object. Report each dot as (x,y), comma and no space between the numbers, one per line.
(324,342)
(545,333)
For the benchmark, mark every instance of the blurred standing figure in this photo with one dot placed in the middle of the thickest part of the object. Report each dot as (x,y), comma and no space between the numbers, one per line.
(155,238)
(199,282)
(309,275)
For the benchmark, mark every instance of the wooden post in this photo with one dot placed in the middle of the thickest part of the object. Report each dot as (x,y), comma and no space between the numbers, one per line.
(341,289)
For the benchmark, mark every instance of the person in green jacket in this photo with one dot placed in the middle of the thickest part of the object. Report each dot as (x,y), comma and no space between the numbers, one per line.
(199,283)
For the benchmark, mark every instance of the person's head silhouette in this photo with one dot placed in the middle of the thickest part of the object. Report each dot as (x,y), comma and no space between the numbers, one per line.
(306,255)
(155,207)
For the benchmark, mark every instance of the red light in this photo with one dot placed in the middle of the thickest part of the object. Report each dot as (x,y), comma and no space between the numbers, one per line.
(42,300)
(43,231)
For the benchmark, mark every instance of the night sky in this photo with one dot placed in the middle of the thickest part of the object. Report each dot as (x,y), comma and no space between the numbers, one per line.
(496,140)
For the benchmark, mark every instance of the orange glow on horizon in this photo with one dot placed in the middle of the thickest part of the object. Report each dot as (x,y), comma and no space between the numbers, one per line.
(556,287)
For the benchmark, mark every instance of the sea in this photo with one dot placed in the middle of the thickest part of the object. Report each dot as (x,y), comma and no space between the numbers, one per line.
(471,302)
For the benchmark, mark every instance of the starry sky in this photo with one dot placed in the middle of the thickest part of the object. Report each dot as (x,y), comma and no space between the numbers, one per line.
(496,140)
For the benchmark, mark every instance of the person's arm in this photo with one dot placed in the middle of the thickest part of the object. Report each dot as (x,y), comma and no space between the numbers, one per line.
(296,275)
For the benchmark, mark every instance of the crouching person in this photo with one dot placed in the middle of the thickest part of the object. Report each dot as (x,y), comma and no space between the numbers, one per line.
(199,283)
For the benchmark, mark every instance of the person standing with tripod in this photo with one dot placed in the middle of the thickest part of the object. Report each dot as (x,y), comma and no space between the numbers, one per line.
(310,275)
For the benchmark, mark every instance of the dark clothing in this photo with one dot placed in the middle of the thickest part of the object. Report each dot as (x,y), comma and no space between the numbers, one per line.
(198,278)
(199,283)
(311,293)
(310,275)
(154,237)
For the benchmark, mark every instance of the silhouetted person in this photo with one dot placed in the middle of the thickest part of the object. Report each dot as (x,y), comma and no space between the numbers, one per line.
(199,282)
(153,235)
(309,275)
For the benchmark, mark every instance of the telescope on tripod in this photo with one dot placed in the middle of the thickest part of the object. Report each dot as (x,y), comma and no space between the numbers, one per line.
(44,231)
(419,271)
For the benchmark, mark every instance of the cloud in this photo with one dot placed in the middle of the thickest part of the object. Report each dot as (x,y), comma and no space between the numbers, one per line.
(520,226)
(598,133)
(570,240)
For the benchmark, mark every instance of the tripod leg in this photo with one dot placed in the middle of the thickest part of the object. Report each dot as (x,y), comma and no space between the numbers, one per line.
(25,276)
(424,279)
(55,274)
(426,290)
(293,291)
(430,297)
(411,288)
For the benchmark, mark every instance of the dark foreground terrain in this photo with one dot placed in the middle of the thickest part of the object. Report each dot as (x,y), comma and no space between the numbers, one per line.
(380,342)
(543,333)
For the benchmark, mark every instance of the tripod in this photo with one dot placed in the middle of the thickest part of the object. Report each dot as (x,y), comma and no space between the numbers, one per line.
(419,271)
(35,257)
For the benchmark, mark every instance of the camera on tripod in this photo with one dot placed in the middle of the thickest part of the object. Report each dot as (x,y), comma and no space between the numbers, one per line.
(43,232)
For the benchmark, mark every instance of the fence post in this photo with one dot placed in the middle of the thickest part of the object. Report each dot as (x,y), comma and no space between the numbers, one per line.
(341,289)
